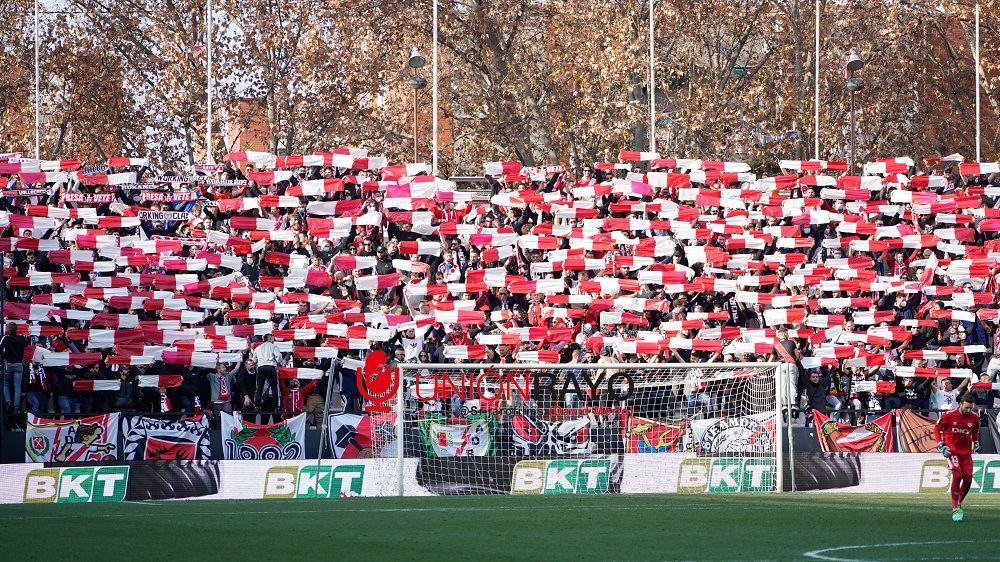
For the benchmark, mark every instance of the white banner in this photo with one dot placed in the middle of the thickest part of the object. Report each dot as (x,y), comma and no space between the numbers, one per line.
(163,216)
(243,440)
(81,440)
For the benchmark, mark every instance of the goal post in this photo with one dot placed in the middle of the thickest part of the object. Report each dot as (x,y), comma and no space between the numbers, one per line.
(517,428)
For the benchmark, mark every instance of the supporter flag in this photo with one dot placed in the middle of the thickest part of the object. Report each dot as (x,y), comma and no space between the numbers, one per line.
(916,432)
(93,385)
(164,440)
(646,435)
(249,441)
(632,156)
(735,435)
(985,386)
(154,381)
(81,440)
(355,436)
(535,436)
(927,279)
(836,437)
(474,437)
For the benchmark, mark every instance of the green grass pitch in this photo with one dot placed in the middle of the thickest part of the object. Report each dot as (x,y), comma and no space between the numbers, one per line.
(494,528)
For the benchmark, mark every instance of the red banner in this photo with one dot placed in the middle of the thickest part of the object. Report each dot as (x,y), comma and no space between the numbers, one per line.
(653,436)
(836,437)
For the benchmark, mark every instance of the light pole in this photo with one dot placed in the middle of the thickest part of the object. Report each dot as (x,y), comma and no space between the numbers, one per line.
(434,93)
(854,64)
(417,83)
(652,83)
(208,86)
(979,152)
(38,111)
(816,87)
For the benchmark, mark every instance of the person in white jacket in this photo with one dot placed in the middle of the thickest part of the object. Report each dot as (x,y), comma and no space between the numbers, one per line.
(268,358)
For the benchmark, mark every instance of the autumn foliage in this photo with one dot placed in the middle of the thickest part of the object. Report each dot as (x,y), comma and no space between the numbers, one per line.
(539,82)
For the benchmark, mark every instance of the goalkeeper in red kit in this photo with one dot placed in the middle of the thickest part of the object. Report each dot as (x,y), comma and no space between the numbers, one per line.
(957,434)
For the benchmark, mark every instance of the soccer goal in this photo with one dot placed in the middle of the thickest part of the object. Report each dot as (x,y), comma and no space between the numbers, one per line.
(581,428)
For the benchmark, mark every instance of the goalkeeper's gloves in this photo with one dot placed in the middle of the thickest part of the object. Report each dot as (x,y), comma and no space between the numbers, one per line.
(945,450)
(975,446)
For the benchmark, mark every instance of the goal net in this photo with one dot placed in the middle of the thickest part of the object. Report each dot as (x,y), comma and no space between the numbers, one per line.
(581,428)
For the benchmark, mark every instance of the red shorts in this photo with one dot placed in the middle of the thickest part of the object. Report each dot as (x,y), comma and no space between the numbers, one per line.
(961,463)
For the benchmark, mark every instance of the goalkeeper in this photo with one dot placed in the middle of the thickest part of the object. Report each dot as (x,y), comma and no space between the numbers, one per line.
(957,434)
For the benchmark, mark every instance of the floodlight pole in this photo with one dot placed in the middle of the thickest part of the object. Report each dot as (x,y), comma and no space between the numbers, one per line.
(854,64)
(414,121)
(208,84)
(38,112)
(854,134)
(434,95)
(979,153)
(416,82)
(816,96)
(652,84)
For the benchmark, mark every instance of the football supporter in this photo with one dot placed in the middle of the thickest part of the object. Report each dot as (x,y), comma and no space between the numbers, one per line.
(879,277)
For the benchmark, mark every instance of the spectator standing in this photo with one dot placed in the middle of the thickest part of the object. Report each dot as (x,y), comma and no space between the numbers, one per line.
(220,384)
(36,388)
(267,357)
(348,387)
(946,396)
(126,398)
(817,388)
(12,346)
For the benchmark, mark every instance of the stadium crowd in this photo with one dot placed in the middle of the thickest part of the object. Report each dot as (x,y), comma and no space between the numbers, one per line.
(255,284)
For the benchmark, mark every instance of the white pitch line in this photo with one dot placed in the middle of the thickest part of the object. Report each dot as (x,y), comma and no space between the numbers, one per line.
(363,510)
(818,554)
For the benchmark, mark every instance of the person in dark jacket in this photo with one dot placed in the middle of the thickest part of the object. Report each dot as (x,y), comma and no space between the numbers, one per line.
(66,396)
(90,402)
(817,387)
(12,346)
(126,398)
(189,398)
(245,386)
(348,387)
(36,388)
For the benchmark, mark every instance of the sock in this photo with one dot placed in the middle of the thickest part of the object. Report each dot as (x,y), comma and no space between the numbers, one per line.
(966,486)
(956,491)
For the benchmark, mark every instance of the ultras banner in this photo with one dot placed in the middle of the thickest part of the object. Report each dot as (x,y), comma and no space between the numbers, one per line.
(243,440)
(152,439)
(80,440)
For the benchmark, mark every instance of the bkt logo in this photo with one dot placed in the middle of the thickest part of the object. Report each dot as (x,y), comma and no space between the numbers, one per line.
(76,485)
(726,475)
(301,482)
(935,476)
(587,476)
